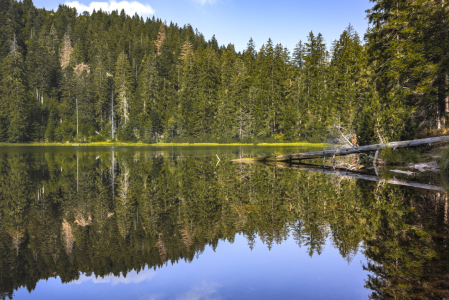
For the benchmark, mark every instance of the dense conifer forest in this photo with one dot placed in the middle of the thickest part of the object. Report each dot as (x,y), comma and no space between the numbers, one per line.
(74,76)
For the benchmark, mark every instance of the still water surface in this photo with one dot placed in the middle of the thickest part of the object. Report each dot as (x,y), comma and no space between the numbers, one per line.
(177,223)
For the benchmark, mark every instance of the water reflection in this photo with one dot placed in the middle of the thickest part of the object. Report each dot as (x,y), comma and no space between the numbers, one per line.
(105,216)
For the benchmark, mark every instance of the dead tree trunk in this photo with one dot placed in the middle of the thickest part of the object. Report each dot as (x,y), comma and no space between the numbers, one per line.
(353,150)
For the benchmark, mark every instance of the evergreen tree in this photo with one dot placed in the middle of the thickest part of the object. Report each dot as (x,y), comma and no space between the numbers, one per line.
(66,129)
(149,95)
(344,76)
(315,61)
(250,57)
(53,119)
(124,89)
(99,82)
(298,55)
(186,86)
(239,96)
(14,96)
(209,80)
(226,110)
(412,57)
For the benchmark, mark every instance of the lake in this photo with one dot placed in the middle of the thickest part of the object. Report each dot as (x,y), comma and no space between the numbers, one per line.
(188,223)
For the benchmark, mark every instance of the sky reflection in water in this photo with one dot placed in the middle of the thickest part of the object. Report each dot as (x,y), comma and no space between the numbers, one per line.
(233,271)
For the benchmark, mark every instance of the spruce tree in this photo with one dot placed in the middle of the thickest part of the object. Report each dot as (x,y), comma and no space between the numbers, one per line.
(239,97)
(208,79)
(298,55)
(53,120)
(412,57)
(66,129)
(186,86)
(315,89)
(124,90)
(226,110)
(250,56)
(344,75)
(14,95)
(149,96)
(99,82)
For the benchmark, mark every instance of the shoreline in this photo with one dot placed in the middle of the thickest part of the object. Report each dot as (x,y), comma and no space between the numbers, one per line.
(109,144)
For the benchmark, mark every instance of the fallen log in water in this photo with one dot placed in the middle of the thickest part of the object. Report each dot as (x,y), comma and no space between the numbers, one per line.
(357,175)
(353,150)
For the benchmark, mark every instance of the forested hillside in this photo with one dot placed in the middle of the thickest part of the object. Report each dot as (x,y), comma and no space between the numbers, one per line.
(72,76)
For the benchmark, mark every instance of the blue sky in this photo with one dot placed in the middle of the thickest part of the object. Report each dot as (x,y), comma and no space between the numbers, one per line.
(234,21)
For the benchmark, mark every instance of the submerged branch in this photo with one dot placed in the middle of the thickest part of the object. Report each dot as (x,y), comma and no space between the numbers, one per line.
(346,173)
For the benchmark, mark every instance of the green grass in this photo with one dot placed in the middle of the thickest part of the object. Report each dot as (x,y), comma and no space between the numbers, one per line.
(139,144)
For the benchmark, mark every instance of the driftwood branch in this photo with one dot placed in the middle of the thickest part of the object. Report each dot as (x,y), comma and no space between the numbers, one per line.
(353,150)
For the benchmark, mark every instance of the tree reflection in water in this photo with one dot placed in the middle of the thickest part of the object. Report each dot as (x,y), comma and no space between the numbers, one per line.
(110,213)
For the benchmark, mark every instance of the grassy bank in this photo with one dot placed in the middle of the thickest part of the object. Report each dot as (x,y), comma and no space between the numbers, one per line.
(302,144)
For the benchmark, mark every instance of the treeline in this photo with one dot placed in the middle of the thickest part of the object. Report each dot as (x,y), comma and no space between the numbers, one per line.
(110,213)
(108,76)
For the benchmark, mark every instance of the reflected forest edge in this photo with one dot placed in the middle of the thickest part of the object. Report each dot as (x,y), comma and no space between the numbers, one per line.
(114,212)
